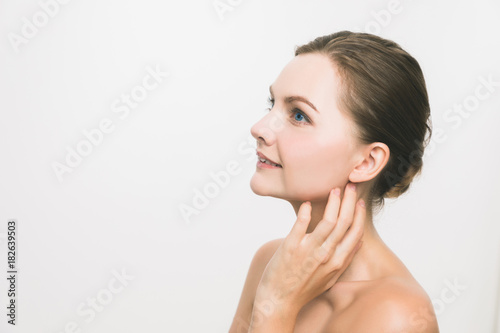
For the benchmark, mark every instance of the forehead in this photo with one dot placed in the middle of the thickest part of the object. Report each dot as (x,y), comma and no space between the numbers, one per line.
(311,75)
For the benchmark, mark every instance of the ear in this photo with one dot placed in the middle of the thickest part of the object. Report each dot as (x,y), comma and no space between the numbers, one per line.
(371,160)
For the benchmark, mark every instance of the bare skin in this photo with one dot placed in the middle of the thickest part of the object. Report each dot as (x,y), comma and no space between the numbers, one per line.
(375,293)
(317,152)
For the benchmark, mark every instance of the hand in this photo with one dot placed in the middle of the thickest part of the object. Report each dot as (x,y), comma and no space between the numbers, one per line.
(306,265)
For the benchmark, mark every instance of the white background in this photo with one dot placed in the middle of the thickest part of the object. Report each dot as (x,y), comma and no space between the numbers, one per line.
(120,207)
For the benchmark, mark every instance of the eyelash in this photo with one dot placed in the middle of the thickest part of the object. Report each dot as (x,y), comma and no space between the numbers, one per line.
(270,101)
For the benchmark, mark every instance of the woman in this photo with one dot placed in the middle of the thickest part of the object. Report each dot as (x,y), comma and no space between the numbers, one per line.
(348,109)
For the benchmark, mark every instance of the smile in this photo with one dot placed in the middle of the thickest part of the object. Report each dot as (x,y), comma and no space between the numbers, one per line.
(263,160)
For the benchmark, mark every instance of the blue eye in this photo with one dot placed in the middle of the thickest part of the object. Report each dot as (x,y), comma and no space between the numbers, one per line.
(302,115)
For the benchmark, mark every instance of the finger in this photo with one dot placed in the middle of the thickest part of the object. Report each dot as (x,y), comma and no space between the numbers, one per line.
(332,207)
(326,225)
(345,217)
(338,272)
(300,227)
(355,232)
(358,246)
(351,255)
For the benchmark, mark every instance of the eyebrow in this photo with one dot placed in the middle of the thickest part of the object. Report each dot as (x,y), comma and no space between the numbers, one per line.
(290,99)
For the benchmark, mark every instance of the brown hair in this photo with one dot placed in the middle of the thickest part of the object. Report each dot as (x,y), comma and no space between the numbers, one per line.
(383,91)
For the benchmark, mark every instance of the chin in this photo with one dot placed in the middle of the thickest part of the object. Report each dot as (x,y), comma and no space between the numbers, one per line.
(257,188)
(261,187)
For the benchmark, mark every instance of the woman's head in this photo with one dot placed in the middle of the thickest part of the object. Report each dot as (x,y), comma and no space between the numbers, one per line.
(369,128)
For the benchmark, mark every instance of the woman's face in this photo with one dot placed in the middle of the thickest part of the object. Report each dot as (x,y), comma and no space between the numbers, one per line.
(316,149)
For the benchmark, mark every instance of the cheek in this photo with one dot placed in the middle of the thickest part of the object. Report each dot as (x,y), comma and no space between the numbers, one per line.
(314,164)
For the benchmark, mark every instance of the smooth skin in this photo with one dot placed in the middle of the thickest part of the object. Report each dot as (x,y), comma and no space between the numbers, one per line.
(305,265)
(319,152)
(293,283)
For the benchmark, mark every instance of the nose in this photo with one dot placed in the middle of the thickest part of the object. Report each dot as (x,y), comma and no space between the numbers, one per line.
(267,128)
(261,132)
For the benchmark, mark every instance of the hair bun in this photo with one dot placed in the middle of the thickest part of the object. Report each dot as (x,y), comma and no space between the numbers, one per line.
(404,184)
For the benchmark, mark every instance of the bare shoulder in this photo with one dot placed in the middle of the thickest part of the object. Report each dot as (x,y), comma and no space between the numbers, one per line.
(261,258)
(267,250)
(259,262)
(393,304)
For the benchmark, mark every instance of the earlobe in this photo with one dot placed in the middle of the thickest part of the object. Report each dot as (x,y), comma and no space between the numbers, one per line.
(372,162)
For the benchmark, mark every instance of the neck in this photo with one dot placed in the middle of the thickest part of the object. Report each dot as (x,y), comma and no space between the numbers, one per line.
(364,264)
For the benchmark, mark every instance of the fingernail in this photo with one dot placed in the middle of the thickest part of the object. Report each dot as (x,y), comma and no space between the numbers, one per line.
(352,186)
(337,192)
(362,203)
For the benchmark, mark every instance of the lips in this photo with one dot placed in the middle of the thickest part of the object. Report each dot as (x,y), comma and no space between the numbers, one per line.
(266,158)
